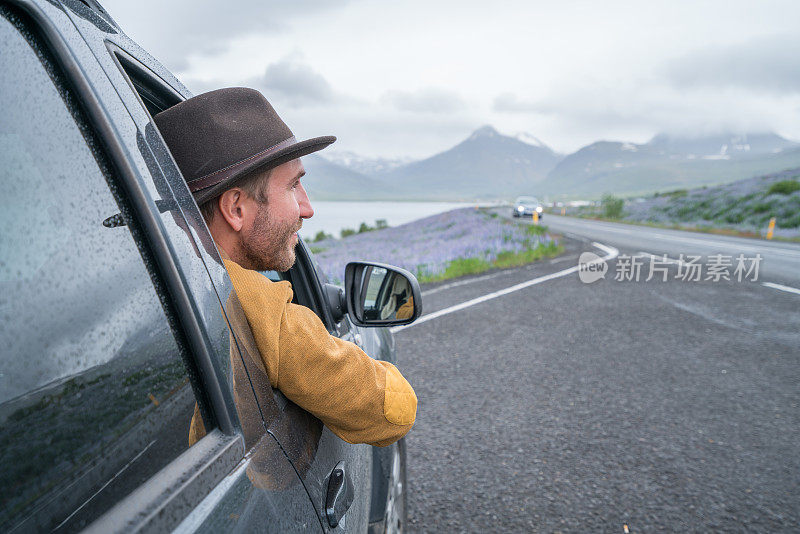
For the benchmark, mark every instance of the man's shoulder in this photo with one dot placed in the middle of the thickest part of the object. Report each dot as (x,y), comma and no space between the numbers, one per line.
(250,284)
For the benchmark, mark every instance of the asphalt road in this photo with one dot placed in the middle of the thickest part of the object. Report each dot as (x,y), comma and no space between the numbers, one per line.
(572,407)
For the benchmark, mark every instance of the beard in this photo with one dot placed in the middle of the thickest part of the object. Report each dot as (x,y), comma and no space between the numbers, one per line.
(269,246)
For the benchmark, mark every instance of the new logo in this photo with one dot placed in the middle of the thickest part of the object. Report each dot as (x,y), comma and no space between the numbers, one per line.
(591,267)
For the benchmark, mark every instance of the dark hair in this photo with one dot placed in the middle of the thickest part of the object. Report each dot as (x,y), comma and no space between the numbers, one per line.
(254,185)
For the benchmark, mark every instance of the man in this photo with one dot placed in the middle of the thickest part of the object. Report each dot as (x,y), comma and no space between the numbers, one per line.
(242,164)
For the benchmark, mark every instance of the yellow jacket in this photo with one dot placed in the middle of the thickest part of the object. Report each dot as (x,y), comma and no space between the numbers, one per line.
(359,399)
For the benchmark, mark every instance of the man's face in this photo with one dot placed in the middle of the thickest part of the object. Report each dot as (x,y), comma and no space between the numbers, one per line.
(268,237)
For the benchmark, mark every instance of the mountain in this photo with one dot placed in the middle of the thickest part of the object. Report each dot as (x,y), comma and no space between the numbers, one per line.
(489,165)
(325,180)
(486,165)
(364,165)
(724,146)
(669,162)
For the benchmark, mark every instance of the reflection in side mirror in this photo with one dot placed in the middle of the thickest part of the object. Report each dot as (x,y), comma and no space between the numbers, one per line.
(381,295)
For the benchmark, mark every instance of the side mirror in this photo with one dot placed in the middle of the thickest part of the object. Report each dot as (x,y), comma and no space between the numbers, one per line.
(381,295)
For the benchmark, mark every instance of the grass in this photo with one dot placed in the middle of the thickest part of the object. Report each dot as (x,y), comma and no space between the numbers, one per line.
(459,267)
(535,229)
(515,259)
(466,266)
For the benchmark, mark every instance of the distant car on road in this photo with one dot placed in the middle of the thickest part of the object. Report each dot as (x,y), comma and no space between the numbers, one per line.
(526,206)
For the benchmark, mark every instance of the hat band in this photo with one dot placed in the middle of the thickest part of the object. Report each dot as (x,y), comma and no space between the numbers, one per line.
(221,175)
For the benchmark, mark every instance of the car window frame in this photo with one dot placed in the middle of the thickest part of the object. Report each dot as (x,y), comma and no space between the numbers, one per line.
(308,287)
(163,500)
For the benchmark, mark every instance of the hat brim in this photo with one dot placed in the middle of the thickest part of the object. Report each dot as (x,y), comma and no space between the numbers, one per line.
(263,163)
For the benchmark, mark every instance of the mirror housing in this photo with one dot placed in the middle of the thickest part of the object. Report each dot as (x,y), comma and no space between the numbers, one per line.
(381,295)
(336,302)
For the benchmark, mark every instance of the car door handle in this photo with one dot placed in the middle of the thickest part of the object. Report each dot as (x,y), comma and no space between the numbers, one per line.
(340,495)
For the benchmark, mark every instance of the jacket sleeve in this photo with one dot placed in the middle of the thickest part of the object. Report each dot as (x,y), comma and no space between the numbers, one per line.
(360,399)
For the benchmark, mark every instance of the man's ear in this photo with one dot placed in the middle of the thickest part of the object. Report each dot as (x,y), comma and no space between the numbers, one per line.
(230,204)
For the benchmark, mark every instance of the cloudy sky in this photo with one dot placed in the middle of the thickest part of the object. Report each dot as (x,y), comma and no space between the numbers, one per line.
(412,78)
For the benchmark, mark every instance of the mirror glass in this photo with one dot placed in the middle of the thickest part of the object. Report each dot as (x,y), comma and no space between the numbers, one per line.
(386,295)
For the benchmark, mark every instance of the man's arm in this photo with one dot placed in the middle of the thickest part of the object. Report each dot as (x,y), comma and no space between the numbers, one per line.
(360,399)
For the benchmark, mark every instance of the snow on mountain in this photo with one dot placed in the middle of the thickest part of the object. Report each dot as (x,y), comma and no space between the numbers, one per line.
(529,139)
(484,132)
(363,164)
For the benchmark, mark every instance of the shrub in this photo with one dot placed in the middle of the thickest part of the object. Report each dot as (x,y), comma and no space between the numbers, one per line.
(733,218)
(612,206)
(685,212)
(762,207)
(784,187)
(792,222)
(347,232)
(321,236)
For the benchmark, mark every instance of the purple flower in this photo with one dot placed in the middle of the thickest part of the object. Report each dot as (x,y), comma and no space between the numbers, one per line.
(426,246)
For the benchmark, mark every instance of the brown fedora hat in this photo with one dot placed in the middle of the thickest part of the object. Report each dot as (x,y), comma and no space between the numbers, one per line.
(221,136)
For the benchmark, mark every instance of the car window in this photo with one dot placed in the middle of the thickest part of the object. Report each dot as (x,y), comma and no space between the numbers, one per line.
(94,393)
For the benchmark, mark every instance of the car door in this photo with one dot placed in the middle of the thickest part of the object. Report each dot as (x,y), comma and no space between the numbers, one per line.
(117,347)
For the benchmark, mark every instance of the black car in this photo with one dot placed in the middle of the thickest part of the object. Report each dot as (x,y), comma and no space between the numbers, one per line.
(116,327)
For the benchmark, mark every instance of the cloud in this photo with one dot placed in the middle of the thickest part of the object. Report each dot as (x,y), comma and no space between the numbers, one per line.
(429,100)
(295,83)
(510,103)
(176,29)
(766,64)
(369,128)
(631,109)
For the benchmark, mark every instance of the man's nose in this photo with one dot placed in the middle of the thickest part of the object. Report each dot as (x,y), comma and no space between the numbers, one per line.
(306,211)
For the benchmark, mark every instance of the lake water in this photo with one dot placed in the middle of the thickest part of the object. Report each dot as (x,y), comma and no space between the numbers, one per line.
(332,216)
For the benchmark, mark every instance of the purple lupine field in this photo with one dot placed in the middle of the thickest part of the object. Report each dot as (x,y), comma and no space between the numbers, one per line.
(426,246)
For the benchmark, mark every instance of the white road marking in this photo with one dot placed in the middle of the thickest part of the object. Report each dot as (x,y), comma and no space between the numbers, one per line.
(779,287)
(743,244)
(725,244)
(611,253)
(461,283)
(559,260)
(661,257)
